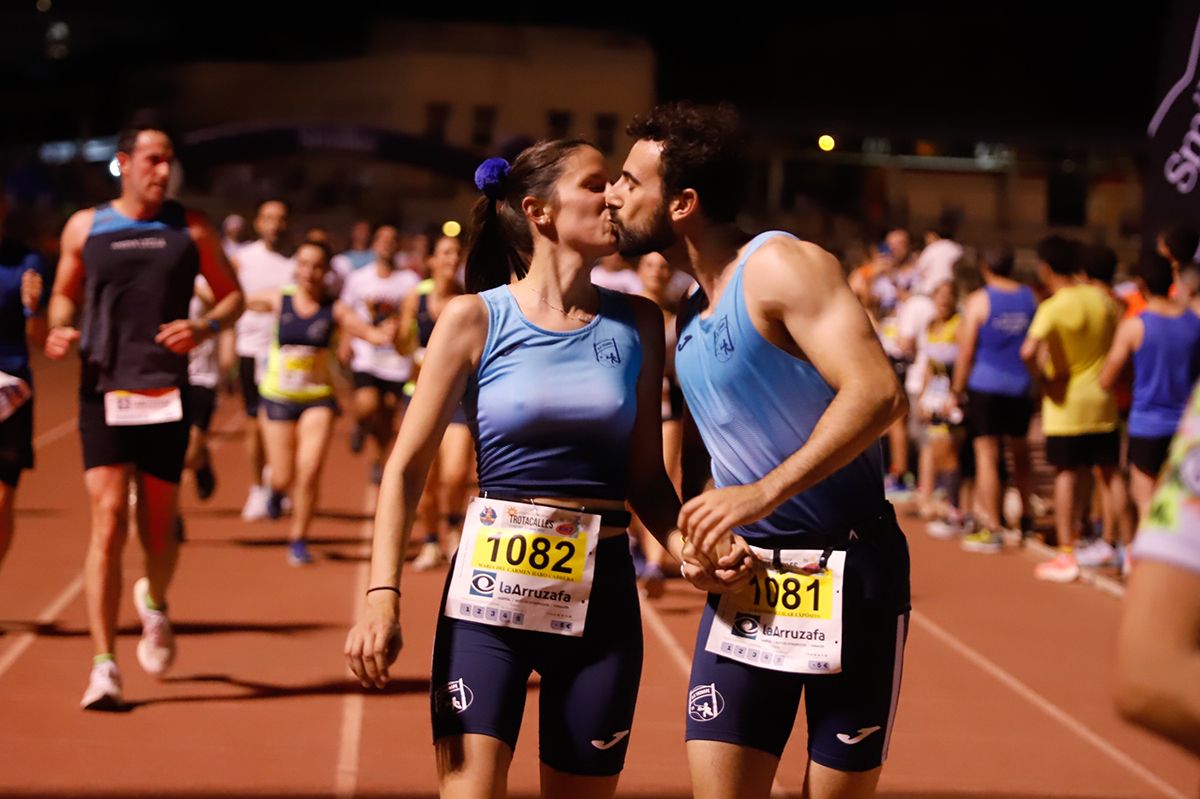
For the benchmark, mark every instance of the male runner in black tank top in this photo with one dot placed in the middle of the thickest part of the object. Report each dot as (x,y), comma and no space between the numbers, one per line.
(131,266)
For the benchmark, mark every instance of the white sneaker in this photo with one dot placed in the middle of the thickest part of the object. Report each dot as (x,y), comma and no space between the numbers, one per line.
(430,557)
(943,529)
(256,504)
(1096,553)
(156,650)
(104,688)
(1012,537)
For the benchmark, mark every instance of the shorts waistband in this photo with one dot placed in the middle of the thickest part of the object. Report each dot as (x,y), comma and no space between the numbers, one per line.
(608,516)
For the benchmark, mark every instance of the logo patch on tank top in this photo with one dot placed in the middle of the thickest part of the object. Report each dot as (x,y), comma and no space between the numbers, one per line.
(148,243)
(607,352)
(722,340)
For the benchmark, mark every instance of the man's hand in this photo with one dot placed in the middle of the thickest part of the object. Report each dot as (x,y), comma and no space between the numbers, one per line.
(183,335)
(59,341)
(713,514)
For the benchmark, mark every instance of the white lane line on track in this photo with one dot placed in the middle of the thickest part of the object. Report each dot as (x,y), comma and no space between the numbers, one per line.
(1046,706)
(50,612)
(350,737)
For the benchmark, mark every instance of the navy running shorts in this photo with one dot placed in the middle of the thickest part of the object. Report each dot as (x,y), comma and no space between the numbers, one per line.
(589,684)
(849,714)
(16,444)
(278,411)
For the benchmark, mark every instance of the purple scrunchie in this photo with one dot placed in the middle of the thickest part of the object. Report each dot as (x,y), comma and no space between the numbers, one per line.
(490,177)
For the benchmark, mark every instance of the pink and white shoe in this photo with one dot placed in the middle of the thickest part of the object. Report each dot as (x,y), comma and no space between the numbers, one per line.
(1060,569)
(156,650)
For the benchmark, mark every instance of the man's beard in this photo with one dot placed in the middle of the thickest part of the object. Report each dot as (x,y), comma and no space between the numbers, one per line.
(657,236)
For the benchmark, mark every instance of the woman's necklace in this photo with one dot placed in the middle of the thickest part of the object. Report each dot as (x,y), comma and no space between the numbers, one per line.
(585,318)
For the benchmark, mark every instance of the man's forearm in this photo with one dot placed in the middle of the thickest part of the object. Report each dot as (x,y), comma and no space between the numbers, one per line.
(61,312)
(227,310)
(852,422)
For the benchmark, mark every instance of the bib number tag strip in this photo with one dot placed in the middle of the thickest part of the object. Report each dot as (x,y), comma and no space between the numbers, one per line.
(790,616)
(301,367)
(524,566)
(149,406)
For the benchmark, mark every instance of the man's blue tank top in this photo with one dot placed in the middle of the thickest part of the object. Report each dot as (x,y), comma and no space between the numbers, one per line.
(755,405)
(998,368)
(1164,369)
(552,412)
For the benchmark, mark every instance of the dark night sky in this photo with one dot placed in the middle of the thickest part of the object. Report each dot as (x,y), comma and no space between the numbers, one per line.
(923,68)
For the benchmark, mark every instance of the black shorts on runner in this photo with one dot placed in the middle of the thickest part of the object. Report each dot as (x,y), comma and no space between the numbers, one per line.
(246,370)
(1148,453)
(154,449)
(589,683)
(998,414)
(849,714)
(204,403)
(16,444)
(393,387)
(1087,449)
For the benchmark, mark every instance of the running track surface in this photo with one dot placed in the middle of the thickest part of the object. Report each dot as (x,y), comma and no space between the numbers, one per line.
(1007,686)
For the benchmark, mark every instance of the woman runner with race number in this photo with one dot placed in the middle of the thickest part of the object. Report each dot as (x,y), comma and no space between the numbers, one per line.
(561,383)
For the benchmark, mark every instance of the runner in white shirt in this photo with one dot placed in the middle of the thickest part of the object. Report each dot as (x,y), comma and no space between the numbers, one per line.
(376,293)
(261,267)
(935,264)
(612,272)
(203,372)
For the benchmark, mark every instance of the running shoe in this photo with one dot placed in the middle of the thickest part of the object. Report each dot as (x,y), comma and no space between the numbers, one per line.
(430,557)
(1095,553)
(298,554)
(206,482)
(104,688)
(256,504)
(1126,561)
(983,541)
(1062,568)
(156,650)
(275,503)
(1013,537)
(895,490)
(357,438)
(943,529)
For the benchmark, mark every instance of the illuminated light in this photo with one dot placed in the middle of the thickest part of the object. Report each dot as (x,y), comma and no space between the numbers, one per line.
(43,5)
(826,142)
(114,168)
(451,229)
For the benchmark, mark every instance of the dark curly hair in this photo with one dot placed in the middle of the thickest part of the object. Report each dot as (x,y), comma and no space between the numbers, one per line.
(702,149)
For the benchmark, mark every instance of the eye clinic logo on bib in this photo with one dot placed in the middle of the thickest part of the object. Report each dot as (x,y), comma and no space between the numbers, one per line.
(455,697)
(705,702)
(607,352)
(722,341)
(487,516)
(745,625)
(483,583)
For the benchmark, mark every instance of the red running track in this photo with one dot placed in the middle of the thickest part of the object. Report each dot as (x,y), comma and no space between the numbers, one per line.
(1007,686)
